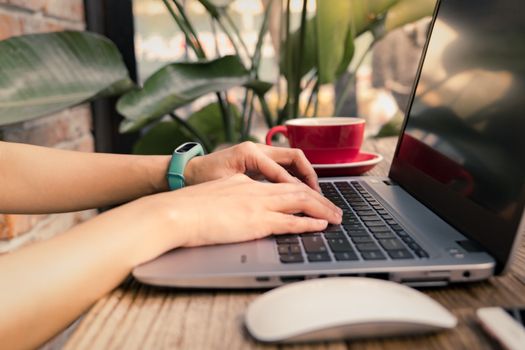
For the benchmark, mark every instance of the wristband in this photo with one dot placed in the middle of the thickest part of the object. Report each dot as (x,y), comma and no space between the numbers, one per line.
(181,156)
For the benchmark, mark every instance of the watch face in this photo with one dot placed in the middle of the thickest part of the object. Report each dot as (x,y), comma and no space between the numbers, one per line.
(186,147)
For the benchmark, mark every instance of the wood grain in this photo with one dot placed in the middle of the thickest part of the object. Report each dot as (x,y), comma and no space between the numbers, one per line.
(136,316)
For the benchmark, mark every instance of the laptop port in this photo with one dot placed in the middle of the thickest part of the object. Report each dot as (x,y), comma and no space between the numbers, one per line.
(291,279)
(378,275)
(262,279)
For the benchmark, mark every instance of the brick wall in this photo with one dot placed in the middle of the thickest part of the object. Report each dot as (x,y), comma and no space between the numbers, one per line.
(69,129)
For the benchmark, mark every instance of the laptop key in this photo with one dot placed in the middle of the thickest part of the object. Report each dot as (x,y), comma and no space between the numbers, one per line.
(384,235)
(365,212)
(286,239)
(391,244)
(396,227)
(400,254)
(318,257)
(350,227)
(314,244)
(334,228)
(366,246)
(414,246)
(407,239)
(370,218)
(402,234)
(421,253)
(291,258)
(355,233)
(362,239)
(377,229)
(351,221)
(346,256)
(374,223)
(339,245)
(373,255)
(329,235)
(289,249)
(360,207)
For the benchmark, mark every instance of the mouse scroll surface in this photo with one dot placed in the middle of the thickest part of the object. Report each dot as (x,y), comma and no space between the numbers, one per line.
(337,308)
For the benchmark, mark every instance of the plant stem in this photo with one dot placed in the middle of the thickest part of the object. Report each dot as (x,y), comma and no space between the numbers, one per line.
(316,105)
(226,116)
(196,46)
(289,64)
(249,122)
(198,135)
(256,58)
(187,22)
(215,39)
(192,41)
(266,112)
(299,56)
(344,95)
(236,31)
(254,69)
(244,113)
(310,99)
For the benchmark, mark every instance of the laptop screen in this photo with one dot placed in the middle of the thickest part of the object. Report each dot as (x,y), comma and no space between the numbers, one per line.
(462,151)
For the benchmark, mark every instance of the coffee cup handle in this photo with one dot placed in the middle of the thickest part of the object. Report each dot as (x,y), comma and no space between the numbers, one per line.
(279,129)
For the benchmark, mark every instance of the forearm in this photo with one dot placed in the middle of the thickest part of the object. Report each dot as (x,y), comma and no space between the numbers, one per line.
(45,180)
(48,285)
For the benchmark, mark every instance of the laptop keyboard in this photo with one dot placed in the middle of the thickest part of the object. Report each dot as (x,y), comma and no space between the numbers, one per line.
(367,232)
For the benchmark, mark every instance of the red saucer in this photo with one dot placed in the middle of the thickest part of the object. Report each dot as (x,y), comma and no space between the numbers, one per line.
(362,163)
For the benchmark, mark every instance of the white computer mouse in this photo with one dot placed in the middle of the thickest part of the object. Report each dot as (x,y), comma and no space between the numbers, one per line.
(343,307)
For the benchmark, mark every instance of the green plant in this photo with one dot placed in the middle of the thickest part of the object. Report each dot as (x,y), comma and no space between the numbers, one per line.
(47,72)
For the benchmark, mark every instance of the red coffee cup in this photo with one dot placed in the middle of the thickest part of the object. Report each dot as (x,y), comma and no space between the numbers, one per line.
(323,140)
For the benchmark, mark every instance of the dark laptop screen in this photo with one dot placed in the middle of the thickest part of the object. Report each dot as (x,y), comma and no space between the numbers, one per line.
(462,152)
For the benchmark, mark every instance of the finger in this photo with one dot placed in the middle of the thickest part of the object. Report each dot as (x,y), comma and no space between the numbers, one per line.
(296,161)
(303,202)
(286,223)
(261,163)
(275,189)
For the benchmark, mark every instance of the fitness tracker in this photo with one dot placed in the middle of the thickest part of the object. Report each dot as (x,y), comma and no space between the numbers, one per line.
(181,156)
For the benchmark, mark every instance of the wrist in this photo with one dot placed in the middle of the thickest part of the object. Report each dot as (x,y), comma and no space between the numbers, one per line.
(157,168)
(190,171)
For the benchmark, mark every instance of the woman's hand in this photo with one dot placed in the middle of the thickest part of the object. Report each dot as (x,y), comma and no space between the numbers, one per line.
(273,163)
(238,209)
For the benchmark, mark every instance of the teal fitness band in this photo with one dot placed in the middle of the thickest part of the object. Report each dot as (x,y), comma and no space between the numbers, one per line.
(181,156)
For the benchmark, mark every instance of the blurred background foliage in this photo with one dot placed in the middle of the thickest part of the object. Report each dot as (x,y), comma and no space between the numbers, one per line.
(315,44)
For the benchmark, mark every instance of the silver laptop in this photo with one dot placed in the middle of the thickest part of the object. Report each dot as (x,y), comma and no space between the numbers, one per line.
(452,207)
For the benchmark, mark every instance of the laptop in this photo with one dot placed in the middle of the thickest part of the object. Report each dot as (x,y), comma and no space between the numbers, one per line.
(452,207)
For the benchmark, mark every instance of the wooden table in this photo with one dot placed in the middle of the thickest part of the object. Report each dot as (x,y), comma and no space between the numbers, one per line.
(136,316)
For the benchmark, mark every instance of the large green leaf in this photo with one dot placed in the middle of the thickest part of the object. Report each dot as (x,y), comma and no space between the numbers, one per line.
(335,44)
(44,73)
(180,83)
(308,57)
(408,11)
(329,44)
(162,138)
(209,123)
(365,13)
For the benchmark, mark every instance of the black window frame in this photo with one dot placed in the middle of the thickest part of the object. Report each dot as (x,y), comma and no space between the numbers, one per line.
(113,19)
